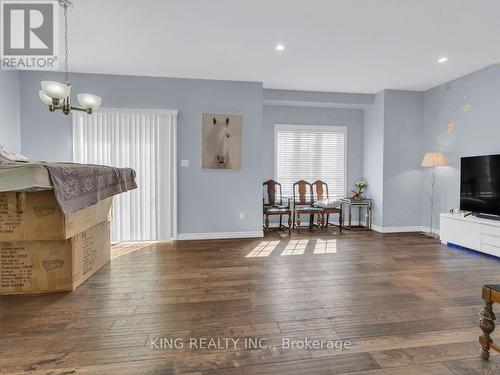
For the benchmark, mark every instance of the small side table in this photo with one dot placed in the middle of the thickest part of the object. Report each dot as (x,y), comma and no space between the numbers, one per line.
(361,204)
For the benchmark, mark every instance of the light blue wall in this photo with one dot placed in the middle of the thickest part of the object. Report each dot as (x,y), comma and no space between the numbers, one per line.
(403,123)
(388,134)
(208,201)
(351,118)
(373,155)
(392,153)
(10,125)
(476,133)
(316,99)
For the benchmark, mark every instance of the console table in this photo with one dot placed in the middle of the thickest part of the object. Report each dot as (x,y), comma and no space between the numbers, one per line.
(471,232)
(366,204)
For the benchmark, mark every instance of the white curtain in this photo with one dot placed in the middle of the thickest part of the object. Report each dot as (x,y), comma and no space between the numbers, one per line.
(144,140)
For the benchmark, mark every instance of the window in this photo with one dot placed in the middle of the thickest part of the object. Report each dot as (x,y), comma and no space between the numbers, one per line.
(311,153)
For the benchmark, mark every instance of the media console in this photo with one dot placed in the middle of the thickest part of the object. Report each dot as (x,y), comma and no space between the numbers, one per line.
(471,232)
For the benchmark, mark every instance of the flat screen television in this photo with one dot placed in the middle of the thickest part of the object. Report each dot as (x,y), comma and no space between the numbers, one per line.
(480,184)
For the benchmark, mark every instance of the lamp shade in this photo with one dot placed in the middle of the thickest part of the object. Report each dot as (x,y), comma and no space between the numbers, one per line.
(56,90)
(434,159)
(45,98)
(89,101)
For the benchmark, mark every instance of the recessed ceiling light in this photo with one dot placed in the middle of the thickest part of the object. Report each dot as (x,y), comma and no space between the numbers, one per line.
(279,47)
(442,60)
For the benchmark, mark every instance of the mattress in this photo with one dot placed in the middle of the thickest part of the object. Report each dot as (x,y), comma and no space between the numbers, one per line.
(24,177)
(75,186)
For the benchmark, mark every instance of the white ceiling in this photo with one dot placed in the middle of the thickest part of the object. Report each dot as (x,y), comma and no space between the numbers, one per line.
(331,45)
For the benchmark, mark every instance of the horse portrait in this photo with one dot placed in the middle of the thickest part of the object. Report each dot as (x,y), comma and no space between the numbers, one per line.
(221,141)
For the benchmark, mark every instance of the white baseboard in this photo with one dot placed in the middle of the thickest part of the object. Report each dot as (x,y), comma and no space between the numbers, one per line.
(402,229)
(376,228)
(258,234)
(415,228)
(219,235)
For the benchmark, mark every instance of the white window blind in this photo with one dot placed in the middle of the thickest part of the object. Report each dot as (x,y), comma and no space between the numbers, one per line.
(144,140)
(311,153)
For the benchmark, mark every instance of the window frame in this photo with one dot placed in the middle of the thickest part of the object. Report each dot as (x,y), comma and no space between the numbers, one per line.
(322,128)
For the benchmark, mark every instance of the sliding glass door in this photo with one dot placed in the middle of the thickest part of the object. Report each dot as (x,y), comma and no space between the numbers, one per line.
(144,140)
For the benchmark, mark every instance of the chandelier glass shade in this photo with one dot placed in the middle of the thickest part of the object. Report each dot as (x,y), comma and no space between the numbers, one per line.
(56,95)
(89,101)
(45,98)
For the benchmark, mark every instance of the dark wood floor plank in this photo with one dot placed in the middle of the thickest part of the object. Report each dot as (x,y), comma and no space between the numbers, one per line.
(323,366)
(407,305)
(425,354)
(475,366)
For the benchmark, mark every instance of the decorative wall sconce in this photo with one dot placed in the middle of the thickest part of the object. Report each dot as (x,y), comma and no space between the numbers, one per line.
(467,106)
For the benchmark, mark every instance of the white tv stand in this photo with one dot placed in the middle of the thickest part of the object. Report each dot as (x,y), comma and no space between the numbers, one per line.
(471,232)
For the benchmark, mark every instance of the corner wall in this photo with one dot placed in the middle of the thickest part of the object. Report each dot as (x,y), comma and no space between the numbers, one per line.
(392,154)
(373,156)
(403,121)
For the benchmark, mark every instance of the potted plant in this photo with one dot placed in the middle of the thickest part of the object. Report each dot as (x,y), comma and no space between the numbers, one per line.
(360,186)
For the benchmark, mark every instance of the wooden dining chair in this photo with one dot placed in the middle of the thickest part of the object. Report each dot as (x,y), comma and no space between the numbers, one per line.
(303,204)
(320,192)
(274,205)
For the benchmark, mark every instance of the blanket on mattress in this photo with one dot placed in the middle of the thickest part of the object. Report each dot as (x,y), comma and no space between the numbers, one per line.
(77,186)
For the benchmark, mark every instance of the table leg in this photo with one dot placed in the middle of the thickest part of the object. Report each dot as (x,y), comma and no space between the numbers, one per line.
(487,324)
(350,216)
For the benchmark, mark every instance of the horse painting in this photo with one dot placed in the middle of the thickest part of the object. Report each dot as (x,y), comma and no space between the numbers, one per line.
(221,141)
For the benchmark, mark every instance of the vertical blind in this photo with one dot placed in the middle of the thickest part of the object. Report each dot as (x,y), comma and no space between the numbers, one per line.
(146,142)
(311,153)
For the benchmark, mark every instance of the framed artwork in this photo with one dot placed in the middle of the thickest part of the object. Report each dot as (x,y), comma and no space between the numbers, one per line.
(221,147)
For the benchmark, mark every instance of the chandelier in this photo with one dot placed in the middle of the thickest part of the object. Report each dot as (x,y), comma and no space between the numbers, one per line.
(56,95)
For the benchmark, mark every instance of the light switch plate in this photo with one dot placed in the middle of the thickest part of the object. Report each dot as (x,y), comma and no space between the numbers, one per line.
(184,163)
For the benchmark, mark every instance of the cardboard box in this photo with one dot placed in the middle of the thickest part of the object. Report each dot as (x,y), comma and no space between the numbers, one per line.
(53,266)
(36,216)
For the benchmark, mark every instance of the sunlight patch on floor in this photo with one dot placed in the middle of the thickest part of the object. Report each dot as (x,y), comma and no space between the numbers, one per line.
(263,249)
(325,247)
(122,248)
(295,247)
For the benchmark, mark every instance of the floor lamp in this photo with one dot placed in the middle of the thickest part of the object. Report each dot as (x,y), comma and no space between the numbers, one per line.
(433,159)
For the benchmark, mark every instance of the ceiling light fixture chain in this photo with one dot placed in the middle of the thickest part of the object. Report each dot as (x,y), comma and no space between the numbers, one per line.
(66,74)
(56,95)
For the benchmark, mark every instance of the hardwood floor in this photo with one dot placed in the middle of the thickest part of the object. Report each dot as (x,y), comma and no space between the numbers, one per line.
(405,304)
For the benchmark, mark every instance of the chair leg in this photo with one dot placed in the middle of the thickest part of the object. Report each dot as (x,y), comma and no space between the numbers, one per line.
(319,221)
(298,222)
(266,222)
(327,220)
(487,324)
(281,217)
(341,220)
(289,224)
(311,221)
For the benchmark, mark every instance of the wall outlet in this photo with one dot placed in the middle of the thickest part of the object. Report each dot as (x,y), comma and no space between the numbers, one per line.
(184,163)
(242,215)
